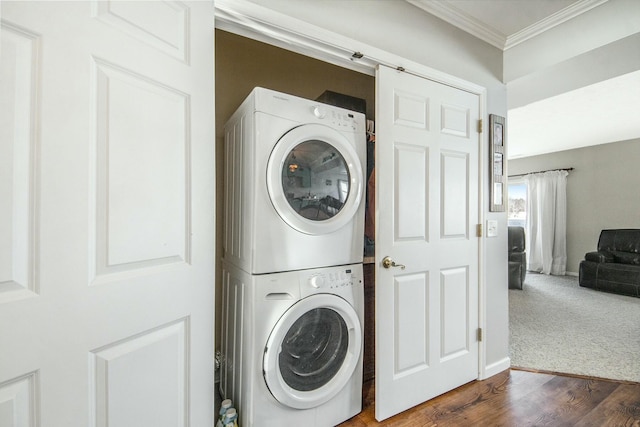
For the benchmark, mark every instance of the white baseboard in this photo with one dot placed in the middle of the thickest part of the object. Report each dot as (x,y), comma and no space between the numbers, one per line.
(570,273)
(496,368)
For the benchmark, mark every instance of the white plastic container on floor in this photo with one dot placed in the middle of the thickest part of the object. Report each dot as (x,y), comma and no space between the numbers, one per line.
(224,407)
(231,418)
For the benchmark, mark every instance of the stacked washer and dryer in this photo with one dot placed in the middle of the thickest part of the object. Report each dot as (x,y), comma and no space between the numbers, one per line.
(293,291)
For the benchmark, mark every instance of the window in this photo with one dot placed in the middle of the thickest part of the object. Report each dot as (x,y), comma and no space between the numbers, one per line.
(517,204)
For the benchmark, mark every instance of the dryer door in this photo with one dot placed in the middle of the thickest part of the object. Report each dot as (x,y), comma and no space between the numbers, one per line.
(312,351)
(314,179)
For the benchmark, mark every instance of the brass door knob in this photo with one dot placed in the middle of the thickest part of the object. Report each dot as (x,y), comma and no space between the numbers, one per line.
(388,263)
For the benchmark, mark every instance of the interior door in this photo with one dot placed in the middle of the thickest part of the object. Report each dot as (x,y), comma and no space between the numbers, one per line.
(426,249)
(106,213)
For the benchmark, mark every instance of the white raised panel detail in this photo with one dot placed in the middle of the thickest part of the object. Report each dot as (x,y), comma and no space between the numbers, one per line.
(18,402)
(411,165)
(455,120)
(454,194)
(411,323)
(232,344)
(454,294)
(158,360)
(235,227)
(411,110)
(18,167)
(141,144)
(162,25)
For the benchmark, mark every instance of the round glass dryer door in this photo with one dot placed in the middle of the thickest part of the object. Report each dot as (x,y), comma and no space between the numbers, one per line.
(314,179)
(312,351)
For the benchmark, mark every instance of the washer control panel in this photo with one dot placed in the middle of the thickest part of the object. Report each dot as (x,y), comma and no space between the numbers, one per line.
(331,277)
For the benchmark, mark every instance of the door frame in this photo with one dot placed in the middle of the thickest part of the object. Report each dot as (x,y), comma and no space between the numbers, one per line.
(259,23)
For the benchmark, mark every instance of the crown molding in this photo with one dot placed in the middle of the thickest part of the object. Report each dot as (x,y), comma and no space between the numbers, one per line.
(462,20)
(489,34)
(551,21)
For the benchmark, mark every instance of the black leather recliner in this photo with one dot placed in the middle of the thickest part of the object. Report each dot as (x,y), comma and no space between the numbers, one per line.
(517,257)
(615,266)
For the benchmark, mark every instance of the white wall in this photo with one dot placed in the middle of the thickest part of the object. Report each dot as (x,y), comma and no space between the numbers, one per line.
(605,62)
(402,29)
(595,46)
(600,26)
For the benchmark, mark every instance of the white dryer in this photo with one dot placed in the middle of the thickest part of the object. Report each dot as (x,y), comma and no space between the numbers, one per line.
(294,184)
(292,345)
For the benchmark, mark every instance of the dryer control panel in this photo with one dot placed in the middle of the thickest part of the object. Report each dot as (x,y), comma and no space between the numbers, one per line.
(338,118)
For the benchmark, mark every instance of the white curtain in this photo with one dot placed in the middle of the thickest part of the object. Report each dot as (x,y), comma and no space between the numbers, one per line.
(546,242)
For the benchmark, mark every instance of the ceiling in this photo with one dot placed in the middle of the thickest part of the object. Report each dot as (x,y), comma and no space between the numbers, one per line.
(600,113)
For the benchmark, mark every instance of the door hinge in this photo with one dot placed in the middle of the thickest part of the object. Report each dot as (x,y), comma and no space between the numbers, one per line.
(480,126)
(479,334)
(478,230)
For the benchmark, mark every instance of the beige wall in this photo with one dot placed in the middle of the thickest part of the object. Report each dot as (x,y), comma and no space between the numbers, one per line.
(603,191)
(241,65)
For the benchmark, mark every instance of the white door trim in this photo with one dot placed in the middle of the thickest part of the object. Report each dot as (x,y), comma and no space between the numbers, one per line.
(266,25)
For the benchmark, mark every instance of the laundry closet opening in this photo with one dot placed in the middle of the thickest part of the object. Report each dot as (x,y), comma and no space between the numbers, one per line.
(242,64)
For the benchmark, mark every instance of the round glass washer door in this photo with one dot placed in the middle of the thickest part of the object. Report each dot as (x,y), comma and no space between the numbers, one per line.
(312,351)
(314,179)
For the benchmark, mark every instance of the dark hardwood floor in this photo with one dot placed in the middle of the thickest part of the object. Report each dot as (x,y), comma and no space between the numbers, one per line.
(519,398)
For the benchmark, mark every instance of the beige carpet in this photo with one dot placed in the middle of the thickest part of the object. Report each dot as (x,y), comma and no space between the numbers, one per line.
(556,325)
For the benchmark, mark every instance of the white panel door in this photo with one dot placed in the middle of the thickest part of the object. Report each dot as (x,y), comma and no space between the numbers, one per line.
(106,214)
(427,204)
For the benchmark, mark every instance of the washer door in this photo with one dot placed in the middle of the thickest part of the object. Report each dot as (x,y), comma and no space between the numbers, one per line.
(314,179)
(312,351)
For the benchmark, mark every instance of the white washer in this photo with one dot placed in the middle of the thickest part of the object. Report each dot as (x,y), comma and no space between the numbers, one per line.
(294,184)
(292,345)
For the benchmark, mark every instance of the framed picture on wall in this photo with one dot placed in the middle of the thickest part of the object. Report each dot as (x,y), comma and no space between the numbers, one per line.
(498,159)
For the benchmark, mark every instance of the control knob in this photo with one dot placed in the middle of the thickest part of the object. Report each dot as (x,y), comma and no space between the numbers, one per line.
(319,112)
(316,281)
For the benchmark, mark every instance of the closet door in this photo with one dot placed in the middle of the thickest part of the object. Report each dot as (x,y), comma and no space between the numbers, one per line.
(106,213)
(426,247)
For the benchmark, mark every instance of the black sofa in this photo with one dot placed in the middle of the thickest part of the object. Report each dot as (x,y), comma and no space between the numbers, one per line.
(517,257)
(615,266)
